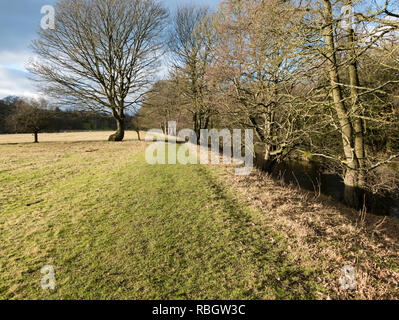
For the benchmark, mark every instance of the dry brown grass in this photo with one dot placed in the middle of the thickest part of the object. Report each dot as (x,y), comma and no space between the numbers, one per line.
(63,137)
(326,236)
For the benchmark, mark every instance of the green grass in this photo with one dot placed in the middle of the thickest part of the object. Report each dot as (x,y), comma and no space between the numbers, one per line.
(115,227)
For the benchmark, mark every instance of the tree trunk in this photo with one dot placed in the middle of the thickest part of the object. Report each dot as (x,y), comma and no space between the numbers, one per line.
(120,122)
(352,192)
(138,134)
(36,136)
(197,127)
(358,129)
(351,178)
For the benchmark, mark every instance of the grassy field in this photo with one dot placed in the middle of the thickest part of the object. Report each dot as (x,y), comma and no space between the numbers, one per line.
(63,137)
(114,227)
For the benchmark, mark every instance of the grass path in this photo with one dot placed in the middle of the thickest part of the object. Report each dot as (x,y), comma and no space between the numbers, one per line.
(115,227)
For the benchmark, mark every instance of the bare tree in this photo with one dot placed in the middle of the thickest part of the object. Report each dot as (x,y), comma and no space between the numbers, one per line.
(30,116)
(136,124)
(101,54)
(163,103)
(259,70)
(191,46)
(342,40)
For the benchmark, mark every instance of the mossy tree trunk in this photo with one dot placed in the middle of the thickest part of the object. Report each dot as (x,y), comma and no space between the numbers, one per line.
(350,132)
(359,145)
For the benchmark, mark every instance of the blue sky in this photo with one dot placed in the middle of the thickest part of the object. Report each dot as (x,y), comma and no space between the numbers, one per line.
(19,22)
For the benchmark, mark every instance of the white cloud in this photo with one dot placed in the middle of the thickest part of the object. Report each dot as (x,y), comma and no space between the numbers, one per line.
(15,59)
(13,74)
(15,82)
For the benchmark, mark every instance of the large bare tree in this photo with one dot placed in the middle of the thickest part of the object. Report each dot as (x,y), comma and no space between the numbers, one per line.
(191,46)
(101,54)
(260,71)
(346,38)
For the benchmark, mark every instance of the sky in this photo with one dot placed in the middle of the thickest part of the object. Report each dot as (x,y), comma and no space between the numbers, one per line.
(19,23)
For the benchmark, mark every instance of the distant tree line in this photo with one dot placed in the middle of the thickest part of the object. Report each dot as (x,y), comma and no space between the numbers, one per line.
(21,115)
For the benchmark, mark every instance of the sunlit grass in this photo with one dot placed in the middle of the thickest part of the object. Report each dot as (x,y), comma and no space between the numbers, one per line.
(63,137)
(115,227)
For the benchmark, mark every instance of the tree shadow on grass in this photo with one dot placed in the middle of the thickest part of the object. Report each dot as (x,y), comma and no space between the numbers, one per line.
(266,249)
